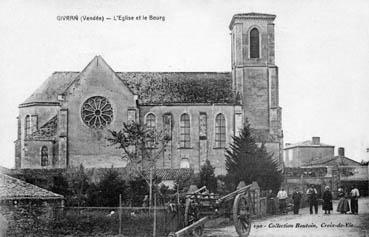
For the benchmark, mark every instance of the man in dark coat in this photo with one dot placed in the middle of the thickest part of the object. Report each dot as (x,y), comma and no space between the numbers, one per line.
(296,197)
(312,195)
(327,201)
(354,195)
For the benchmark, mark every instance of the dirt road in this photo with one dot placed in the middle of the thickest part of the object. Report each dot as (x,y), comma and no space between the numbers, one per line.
(305,224)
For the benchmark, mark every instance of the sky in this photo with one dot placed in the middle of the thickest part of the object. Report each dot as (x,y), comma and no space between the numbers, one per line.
(322,51)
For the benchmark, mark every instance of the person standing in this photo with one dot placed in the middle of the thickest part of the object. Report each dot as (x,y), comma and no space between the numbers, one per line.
(354,195)
(327,201)
(271,202)
(313,199)
(296,196)
(343,205)
(282,197)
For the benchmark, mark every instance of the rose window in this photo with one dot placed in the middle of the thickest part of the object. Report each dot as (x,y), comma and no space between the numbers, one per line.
(97,112)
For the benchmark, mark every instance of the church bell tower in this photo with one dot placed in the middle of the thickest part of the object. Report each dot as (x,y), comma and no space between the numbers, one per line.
(255,76)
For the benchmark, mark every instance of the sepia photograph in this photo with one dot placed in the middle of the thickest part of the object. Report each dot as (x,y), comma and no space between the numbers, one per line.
(178,118)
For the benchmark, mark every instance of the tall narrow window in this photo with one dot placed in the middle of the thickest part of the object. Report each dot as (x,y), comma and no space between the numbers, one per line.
(44,156)
(34,121)
(151,125)
(203,126)
(220,131)
(167,125)
(131,115)
(27,126)
(254,43)
(151,121)
(185,138)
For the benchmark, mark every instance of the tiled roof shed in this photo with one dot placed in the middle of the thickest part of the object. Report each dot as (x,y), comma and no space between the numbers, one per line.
(151,87)
(16,189)
(173,174)
(337,160)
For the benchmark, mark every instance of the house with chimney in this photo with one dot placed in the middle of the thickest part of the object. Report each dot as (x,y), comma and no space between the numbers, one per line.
(313,162)
(303,153)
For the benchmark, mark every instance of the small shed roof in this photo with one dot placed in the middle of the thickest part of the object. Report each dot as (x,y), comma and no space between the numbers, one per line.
(336,160)
(16,189)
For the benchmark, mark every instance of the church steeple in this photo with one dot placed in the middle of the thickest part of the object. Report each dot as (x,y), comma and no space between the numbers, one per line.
(254,73)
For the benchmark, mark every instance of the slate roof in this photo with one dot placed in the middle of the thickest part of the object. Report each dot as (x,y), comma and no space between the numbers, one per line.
(46,131)
(49,89)
(308,143)
(180,87)
(16,189)
(152,87)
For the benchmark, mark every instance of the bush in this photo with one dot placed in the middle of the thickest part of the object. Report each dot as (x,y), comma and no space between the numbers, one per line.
(207,177)
(106,192)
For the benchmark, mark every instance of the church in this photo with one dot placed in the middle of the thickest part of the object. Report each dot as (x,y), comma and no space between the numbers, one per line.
(65,122)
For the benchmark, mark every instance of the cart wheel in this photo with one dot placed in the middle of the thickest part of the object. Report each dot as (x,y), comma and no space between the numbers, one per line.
(191,213)
(241,215)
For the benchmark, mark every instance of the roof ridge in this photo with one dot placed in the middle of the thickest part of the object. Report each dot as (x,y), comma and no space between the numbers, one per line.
(174,72)
(19,181)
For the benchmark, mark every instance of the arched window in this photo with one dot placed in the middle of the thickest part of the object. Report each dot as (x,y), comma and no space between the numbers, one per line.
(151,121)
(44,156)
(27,126)
(220,131)
(184,125)
(168,125)
(185,163)
(151,125)
(203,126)
(254,43)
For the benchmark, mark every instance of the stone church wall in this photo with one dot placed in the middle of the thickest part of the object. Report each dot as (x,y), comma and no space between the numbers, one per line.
(33,157)
(255,97)
(44,113)
(200,149)
(88,145)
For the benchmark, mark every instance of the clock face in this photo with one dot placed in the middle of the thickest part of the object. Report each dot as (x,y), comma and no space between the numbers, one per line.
(97,112)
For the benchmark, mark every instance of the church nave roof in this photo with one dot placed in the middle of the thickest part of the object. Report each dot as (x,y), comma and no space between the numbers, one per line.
(151,87)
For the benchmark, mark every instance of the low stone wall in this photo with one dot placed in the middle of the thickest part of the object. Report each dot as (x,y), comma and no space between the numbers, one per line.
(26,216)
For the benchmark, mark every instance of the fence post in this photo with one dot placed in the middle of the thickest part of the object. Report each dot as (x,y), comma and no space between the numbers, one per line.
(154,227)
(120,214)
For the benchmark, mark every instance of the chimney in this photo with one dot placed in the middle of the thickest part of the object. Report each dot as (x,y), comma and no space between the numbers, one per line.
(341,151)
(316,140)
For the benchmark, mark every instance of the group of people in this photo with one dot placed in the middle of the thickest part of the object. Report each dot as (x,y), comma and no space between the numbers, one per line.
(313,200)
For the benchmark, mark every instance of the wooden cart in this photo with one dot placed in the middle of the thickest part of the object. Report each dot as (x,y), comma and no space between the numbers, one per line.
(201,206)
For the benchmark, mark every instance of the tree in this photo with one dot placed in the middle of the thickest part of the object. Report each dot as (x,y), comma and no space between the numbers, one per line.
(78,185)
(142,146)
(207,177)
(248,162)
(106,191)
(138,190)
(60,185)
